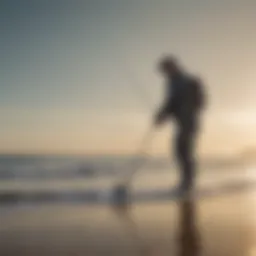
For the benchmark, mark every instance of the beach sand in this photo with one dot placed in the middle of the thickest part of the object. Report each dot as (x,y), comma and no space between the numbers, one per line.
(222,225)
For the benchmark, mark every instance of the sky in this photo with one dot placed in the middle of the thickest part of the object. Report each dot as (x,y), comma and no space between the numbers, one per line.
(80,76)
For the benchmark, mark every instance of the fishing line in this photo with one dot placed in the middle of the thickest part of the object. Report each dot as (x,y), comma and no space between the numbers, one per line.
(141,154)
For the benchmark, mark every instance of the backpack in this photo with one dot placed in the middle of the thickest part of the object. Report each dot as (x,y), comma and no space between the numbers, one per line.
(197,95)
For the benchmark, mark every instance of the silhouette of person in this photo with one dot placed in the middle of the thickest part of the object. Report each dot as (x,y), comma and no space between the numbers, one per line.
(188,237)
(184,100)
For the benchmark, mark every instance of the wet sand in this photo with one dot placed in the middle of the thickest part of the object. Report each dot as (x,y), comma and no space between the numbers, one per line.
(223,225)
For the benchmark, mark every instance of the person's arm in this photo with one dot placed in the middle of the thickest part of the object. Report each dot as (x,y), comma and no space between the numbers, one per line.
(166,109)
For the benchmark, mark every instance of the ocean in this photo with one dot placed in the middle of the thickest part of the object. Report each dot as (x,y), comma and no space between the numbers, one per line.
(91,179)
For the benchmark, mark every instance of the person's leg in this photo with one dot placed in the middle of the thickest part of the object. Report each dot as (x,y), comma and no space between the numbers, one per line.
(185,157)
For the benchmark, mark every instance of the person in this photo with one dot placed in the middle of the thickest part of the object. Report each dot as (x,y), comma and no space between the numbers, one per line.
(184,100)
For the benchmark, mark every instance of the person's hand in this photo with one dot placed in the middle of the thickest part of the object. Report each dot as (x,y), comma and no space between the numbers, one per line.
(159,119)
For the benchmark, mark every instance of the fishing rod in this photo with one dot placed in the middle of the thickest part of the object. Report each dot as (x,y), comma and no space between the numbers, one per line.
(121,190)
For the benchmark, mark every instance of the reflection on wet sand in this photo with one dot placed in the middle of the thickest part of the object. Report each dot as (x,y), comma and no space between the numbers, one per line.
(188,236)
(124,214)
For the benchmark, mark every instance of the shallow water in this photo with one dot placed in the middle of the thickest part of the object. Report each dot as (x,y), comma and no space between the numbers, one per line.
(62,180)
